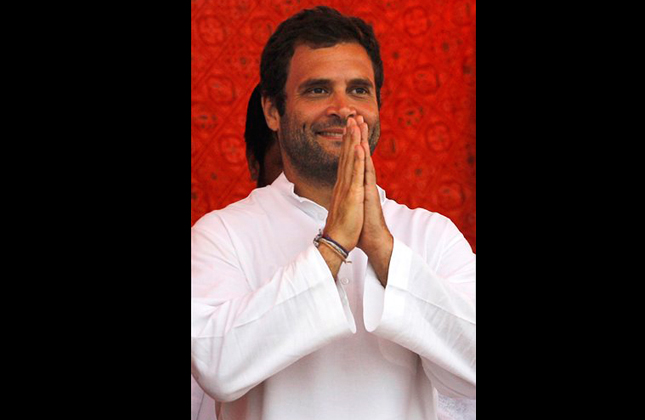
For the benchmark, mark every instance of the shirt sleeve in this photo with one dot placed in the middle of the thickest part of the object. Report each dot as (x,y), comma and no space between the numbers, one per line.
(241,336)
(430,310)
(202,406)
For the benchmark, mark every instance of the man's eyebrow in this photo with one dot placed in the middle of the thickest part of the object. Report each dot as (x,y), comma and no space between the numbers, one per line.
(361,82)
(310,83)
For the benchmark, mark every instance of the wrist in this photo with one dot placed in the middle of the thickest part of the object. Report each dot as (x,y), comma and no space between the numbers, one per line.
(332,259)
(377,246)
(338,239)
(379,257)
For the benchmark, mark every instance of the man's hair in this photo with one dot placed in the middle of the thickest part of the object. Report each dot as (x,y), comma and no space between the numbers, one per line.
(320,27)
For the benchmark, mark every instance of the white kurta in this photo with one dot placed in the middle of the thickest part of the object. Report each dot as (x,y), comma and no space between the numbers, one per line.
(274,337)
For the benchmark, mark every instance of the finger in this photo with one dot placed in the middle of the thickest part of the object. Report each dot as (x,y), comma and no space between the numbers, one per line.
(355,138)
(360,122)
(347,138)
(346,161)
(345,151)
(370,170)
(357,134)
(358,174)
(364,133)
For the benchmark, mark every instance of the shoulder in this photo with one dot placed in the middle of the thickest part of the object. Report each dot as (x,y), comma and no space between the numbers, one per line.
(401,214)
(421,229)
(253,208)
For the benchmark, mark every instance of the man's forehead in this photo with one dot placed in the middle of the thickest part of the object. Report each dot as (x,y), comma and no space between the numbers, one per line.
(343,61)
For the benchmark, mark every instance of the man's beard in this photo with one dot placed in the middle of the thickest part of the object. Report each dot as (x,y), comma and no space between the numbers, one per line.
(306,154)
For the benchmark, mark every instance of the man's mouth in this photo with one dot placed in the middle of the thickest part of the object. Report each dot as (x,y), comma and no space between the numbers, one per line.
(332,133)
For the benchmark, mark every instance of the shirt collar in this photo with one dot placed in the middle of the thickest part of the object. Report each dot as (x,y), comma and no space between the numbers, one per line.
(287,188)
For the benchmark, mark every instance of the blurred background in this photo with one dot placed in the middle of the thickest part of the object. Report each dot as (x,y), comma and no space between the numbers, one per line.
(426,155)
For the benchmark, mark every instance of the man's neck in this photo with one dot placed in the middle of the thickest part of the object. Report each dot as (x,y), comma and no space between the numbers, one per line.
(319,194)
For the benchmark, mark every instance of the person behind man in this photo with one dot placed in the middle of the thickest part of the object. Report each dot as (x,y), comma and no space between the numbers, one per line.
(371,317)
(262,148)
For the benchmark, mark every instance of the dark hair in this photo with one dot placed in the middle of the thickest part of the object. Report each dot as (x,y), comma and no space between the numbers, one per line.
(257,134)
(319,27)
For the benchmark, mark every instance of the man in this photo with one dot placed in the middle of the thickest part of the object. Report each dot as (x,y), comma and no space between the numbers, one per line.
(265,165)
(376,317)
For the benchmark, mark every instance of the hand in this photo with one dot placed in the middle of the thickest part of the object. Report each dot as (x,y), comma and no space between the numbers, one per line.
(375,240)
(346,210)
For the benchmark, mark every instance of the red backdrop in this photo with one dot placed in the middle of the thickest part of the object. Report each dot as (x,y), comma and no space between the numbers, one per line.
(426,155)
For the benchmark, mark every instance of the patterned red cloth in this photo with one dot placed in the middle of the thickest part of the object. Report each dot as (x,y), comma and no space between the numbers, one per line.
(426,154)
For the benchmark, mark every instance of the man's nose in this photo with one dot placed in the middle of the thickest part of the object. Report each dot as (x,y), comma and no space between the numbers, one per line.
(341,108)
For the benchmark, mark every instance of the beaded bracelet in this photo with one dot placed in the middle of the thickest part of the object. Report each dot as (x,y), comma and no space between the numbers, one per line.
(326,237)
(335,246)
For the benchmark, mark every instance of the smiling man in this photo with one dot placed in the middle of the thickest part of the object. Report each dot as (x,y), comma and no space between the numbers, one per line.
(317,297)
(328,85)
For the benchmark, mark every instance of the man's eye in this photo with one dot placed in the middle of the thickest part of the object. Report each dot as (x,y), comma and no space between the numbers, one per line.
(317,91)
(361,91)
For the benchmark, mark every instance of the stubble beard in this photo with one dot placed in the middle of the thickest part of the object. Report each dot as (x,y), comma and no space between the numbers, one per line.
(308,157)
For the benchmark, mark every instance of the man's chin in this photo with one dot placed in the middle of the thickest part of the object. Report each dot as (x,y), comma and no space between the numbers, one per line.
(318,173)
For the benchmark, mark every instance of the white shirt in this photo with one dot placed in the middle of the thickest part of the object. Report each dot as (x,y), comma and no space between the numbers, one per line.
(203,406)
(273,336)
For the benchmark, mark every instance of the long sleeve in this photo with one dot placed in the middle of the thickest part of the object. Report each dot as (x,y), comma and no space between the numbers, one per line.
(202,407)
(428,307)
(242,335)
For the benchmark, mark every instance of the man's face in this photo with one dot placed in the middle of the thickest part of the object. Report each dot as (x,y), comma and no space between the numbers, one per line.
(325,86)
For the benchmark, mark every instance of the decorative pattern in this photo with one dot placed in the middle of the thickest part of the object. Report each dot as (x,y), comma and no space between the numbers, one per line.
(426,155)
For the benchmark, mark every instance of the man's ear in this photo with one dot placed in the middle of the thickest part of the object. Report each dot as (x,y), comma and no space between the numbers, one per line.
(271,114)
